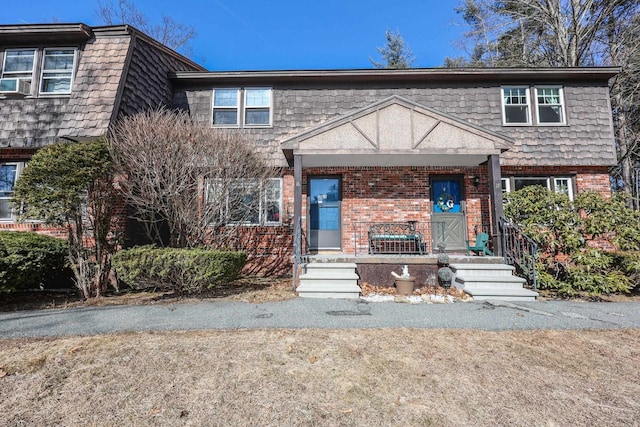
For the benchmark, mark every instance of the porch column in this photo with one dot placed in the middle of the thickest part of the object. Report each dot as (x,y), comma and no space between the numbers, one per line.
(297,215)
(495,192)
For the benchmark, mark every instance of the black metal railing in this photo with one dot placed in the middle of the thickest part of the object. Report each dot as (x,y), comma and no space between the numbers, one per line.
(519,250)
(397,238)
(297,250)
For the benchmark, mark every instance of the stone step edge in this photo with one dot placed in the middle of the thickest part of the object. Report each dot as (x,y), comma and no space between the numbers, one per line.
(461,278)
(329,275)
(471,266)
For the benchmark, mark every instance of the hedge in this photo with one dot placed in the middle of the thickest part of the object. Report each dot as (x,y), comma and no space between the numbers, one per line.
(184,270)
(30,261)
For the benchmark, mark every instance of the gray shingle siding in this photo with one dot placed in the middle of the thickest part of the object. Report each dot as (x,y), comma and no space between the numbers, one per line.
(147,84)
(586,139)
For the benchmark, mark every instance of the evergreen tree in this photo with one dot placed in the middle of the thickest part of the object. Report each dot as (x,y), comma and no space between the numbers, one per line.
(395,54)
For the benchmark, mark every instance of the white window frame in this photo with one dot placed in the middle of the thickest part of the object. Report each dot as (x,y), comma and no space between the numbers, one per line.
(242,108)
(248,108)
(19,75)
(62,73)
(19,168)
(560,104)
(506,185)
(553,183)
(215,107)
(262,206)
(505,105)
(569,186)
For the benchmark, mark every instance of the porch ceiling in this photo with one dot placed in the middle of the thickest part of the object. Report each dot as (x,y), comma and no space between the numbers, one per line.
(395,132)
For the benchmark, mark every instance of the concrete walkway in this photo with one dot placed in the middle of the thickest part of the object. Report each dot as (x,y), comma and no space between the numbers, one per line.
(320,313)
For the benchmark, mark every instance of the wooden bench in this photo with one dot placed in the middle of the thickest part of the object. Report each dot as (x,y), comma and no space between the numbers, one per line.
(395,238)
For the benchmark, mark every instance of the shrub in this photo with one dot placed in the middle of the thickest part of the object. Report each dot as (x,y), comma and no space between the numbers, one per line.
(29,260)
(567,233)
(184,270)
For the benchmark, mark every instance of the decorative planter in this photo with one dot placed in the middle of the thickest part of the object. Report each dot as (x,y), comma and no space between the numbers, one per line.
(444,276)
(405,285)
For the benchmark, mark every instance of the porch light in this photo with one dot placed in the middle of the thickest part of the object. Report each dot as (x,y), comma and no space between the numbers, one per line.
(476,181)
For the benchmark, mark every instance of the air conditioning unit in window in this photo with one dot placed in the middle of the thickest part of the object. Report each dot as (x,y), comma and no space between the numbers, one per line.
(15,87)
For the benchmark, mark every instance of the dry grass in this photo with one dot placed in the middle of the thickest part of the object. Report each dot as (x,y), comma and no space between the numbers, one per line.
(324,378)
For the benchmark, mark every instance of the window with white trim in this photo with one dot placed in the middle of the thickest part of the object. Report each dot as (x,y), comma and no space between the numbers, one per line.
(57,70)
(257,107)
(50,71)
(17,66)
(9,173)
(242,107)
(515,106)
(563,185)
(550,106)
(249,203)
(226,105)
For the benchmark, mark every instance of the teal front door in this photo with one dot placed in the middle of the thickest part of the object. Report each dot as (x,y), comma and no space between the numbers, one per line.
(325,215)
(448,213)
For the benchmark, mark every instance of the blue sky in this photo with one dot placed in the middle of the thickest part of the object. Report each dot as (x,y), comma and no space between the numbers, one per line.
(282,34)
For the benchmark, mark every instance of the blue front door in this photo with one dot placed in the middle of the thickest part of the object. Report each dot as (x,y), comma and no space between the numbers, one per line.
(448,215)
(325,216)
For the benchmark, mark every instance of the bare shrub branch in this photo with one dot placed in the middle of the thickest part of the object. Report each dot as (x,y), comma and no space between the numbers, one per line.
(193,179)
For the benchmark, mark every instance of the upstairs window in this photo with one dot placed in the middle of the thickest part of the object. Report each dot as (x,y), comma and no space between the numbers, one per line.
(17,67)
(257,107)
(226,107)
(515,105)
(241,107)
(57,71)
(550,106)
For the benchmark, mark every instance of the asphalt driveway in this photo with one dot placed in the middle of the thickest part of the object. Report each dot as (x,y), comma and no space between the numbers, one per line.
(320,313)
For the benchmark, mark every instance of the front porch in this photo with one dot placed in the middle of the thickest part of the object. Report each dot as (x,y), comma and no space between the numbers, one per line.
(340,275)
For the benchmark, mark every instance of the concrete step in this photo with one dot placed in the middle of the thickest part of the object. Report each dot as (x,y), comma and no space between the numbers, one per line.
(329,280)
(483,269)
(463,281)
(491,281)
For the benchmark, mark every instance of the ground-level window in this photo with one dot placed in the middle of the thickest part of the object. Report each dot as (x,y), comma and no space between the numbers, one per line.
(9,173)
(248,202)
(562,185)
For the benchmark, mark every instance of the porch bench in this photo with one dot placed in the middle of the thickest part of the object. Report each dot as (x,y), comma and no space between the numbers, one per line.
(395,238)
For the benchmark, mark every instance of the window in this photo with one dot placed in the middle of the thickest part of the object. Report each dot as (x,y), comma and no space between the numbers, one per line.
(17,66)
(226,107)
(249,203)
(506,185)
(549,104)
(241,107)
(550,107)
(21,67)
(9,173)
(257,107)
(57,70)
(515,105)
(563,185)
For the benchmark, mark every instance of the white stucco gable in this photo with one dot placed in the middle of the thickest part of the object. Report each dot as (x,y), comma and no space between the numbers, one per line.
(392,132)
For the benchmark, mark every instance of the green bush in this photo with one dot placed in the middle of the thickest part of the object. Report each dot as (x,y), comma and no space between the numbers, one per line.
(184,270)
(29,260)
(568,232)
